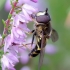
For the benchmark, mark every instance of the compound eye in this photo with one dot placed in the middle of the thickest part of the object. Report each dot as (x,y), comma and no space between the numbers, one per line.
(42,19)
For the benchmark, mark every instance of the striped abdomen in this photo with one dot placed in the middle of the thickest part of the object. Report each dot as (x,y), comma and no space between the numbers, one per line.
(37,49)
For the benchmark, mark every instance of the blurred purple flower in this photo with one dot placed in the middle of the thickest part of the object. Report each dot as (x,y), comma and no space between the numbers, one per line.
(25,68)
(24,58)
(7,5)
(50,49)
(20,2)
(34,1)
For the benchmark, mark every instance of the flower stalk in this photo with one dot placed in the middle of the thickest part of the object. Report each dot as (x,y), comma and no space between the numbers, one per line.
(8,21)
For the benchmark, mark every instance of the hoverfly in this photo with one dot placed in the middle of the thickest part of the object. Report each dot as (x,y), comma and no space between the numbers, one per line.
(43,31)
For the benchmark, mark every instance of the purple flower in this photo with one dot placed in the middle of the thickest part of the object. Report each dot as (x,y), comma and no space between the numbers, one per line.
(19,25)
(25,68)
(50,49)
(19,28)
(28,10)
(19,18)
(18,35)
(22,25)
(8,61)
(14,43)
(20,2)
(8,41)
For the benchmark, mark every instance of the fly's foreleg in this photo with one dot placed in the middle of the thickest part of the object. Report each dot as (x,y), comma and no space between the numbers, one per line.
(33,31)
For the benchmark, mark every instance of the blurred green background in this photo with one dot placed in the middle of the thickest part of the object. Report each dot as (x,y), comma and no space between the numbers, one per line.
(59,12)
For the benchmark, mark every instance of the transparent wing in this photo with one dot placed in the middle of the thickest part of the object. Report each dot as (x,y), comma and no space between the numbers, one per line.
(54,35)
(41,58)
(42,52)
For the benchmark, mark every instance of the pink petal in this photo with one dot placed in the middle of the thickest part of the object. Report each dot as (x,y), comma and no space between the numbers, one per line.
(28,7)
(5,61)
(26,15)
(8,41)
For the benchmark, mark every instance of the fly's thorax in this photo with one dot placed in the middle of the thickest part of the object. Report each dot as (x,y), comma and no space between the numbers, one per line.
(40,26)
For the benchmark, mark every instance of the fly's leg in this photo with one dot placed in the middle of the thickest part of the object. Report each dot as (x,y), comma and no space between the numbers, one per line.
(31,32)
(33,38)
(34,33)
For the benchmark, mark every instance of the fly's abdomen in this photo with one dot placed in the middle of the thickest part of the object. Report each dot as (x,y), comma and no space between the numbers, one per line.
(36,50)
